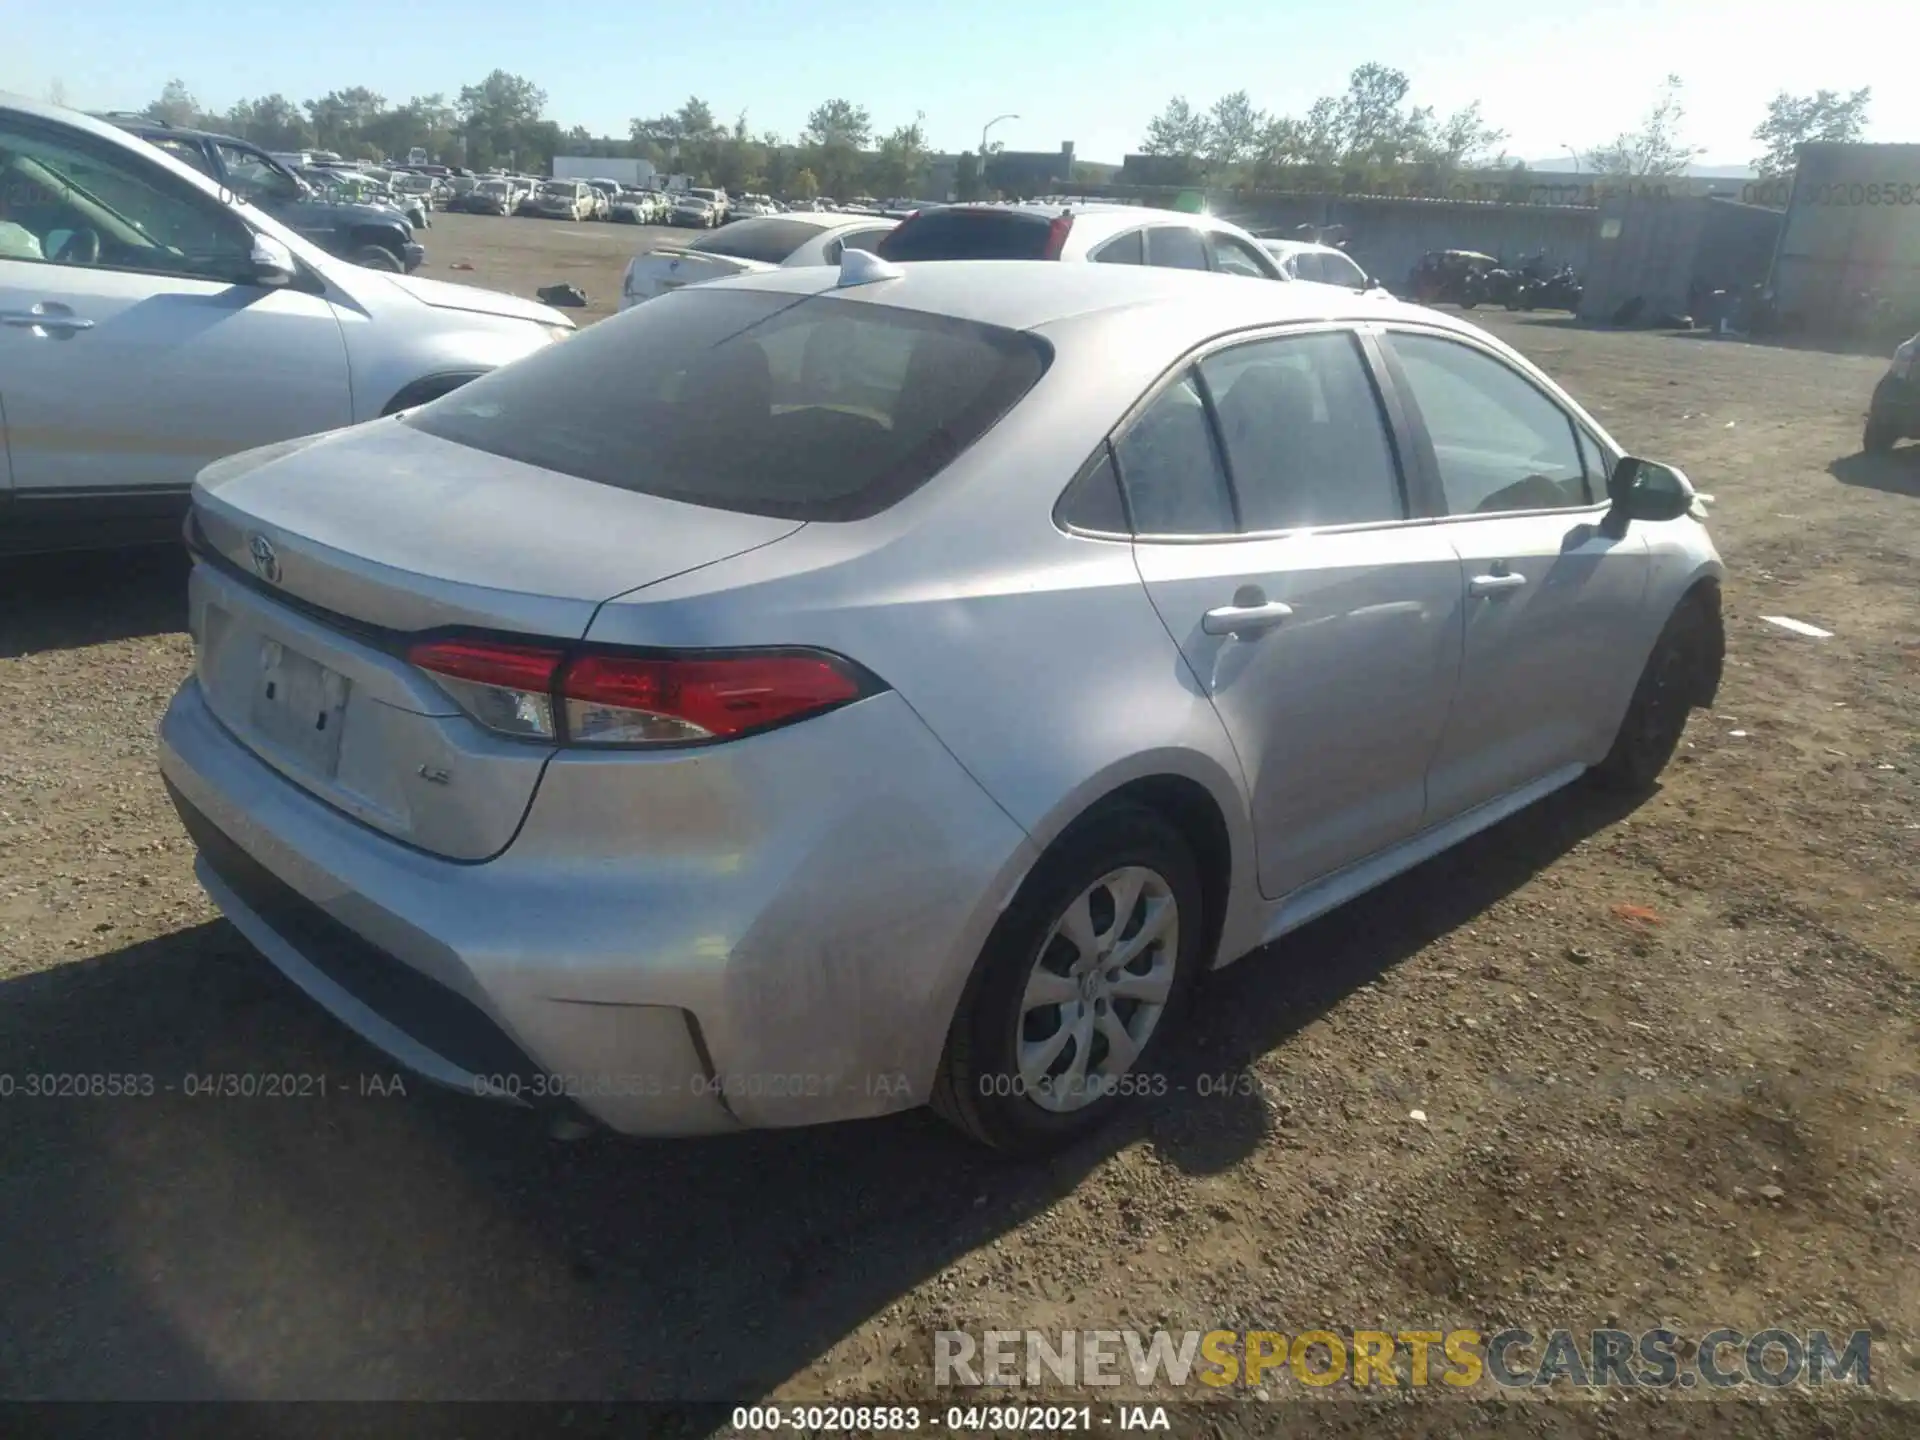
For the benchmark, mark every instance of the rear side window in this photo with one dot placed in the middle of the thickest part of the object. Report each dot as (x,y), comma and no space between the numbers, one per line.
(1176,247)
(960,234)
(1305,265)
(1127,249)
(1304,433)
(768,241)
(1171,468)
(812,408)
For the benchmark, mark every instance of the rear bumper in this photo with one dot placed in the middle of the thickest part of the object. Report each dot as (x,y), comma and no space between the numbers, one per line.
(660,949)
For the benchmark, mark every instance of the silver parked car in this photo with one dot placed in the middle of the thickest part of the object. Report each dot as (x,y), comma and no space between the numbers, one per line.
(818,693)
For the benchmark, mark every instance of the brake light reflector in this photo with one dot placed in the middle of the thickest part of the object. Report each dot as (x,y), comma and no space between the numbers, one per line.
(1057,236)
(615,700)
(508,688)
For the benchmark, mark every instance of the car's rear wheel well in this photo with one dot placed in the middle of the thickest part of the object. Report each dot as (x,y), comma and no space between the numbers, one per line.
(428,387)
(1189,808)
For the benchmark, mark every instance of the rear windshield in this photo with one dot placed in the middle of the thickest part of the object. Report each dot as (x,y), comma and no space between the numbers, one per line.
(769,241)
(968,235)
(809,408)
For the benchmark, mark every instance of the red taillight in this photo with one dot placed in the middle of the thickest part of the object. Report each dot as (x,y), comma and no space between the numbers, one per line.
(616,700)
(514,667)
(1057,237)
(612,699)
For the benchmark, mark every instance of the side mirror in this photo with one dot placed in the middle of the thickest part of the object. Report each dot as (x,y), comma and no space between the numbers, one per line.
(1648,490)
(271,262)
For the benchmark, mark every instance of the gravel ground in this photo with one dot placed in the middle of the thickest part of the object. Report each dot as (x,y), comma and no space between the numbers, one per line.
(1666,1054)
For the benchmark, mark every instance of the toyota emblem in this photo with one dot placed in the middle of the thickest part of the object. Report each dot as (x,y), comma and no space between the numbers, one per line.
(266,564)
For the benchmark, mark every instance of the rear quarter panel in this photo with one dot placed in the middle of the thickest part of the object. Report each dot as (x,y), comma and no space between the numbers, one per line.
(1035,656)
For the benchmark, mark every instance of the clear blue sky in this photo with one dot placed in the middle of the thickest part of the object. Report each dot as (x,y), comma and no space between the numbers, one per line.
(1090,73)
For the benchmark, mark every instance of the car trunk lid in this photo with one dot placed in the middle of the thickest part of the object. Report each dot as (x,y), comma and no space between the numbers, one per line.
(326,555)
(668,268)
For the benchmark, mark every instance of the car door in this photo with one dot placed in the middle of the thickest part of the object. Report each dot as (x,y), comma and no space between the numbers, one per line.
(1274,536)
(135,344)
(1553,596)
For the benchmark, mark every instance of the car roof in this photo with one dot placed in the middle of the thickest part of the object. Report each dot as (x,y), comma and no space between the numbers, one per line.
(1033,294)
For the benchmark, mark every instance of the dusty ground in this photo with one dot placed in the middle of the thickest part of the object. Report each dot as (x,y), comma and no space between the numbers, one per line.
(1698,1111)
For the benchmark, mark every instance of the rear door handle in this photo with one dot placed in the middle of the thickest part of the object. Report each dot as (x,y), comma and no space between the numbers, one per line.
(1494,584)
(1245,620)
(34,320)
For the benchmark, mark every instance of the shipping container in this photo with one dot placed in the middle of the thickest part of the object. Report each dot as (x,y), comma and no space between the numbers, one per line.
(636,173)
(1849,254)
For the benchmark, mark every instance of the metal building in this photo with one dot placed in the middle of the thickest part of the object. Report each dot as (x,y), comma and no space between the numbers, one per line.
(1666,252)
(1851,241)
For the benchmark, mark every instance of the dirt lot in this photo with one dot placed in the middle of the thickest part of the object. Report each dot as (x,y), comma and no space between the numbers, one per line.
(1666,1054)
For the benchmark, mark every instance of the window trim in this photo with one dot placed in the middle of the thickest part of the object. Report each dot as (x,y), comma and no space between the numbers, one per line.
(158,176)
(1399,439)
(1422,439)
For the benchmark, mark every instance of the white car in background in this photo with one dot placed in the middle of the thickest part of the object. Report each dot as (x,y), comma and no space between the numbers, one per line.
(1320,265)
(746,247)
(149,326)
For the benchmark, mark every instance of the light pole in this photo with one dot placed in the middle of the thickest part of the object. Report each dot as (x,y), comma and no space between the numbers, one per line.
(1573,155)
(988,126)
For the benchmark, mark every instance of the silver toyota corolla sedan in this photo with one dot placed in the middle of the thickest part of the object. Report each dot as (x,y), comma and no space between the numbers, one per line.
(826,692)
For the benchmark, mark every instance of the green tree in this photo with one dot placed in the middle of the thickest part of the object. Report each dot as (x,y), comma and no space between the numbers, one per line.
(901,162)
(695,119)
(804,185)
(272,122)
(501,121)
(1655,150)
(837,131)
(176,105)
(1796,120)
(1233,130)
(1177,130)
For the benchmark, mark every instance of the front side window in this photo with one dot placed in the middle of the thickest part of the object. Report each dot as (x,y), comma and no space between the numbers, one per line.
(1176,247)
(1171,468)
(1233,256)
(813,408)
(1304,433)
(78,205)
(1500,443)
(1339,270)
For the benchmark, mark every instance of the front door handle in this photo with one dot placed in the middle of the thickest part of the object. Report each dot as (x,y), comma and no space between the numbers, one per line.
(1245,620)
(1494,584)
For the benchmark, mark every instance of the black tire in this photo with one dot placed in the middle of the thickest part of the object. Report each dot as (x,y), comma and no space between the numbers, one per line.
(978,1087)
(1880,435)
(377,257)
(1682,672)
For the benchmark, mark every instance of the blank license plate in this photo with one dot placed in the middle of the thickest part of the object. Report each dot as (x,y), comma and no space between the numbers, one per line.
(299,706)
